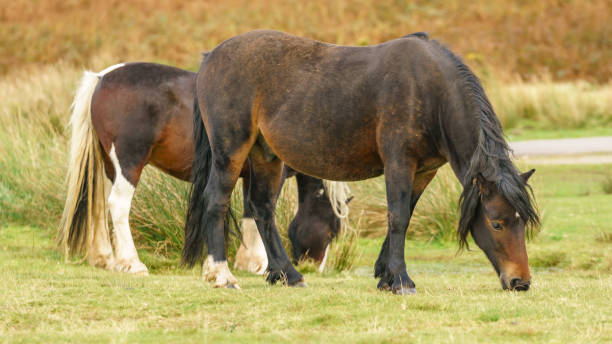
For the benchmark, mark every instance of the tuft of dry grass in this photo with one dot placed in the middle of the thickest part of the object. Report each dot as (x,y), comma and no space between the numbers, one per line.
(343,252)
(158,212)
(604,237)
(33,145)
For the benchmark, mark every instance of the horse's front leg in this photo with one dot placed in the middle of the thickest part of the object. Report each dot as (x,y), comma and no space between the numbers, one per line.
(399,176)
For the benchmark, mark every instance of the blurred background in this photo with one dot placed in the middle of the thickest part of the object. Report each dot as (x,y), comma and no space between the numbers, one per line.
(544,64)
(557,39)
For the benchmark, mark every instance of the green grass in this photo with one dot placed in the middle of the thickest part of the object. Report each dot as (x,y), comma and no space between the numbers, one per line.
(47,300)
(530,133)
(459,299)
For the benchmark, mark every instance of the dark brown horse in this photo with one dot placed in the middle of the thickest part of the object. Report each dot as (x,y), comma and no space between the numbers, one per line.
(403,108)
(133,114)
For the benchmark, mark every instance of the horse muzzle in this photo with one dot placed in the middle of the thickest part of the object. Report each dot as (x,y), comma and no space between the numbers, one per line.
(515,283)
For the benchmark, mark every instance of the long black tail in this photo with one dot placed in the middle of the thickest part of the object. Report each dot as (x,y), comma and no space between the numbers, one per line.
(195,222)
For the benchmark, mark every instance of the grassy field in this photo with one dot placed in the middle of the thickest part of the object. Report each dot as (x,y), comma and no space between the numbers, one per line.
(459,297)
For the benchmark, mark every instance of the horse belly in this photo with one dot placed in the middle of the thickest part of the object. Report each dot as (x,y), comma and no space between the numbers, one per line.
(173,152)
(325,151)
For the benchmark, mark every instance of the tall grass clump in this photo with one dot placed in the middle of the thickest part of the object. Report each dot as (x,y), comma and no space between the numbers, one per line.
(545,104)
(158,212)
(34,112)
(33,143)
(343,253)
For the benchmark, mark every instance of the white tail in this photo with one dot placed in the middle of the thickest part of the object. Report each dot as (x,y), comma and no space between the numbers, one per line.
(85,200)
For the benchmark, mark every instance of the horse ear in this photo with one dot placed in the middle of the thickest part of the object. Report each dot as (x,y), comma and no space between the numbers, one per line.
(483,184)
(527,174)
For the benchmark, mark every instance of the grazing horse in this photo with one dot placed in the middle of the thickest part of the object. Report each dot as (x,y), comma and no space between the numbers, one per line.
(133,114)
(401,108)
(305,237)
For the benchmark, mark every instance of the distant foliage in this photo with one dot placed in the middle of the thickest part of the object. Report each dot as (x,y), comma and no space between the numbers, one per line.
(568,39)
(546,104)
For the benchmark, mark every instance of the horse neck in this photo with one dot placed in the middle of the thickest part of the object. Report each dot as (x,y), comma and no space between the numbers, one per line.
(460,135)
(306,186)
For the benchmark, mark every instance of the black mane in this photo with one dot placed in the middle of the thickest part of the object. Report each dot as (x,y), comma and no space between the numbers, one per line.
(421,35)
(491,159)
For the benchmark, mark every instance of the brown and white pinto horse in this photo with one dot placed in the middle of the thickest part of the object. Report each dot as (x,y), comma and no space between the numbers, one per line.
(402,108)
(133,114)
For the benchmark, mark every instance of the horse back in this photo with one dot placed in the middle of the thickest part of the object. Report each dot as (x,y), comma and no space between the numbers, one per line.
(144,110)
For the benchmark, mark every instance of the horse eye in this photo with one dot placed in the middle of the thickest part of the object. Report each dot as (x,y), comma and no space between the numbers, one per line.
(497,226)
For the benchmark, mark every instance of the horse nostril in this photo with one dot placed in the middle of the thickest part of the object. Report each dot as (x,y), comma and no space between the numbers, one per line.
(515,282)
(518,284)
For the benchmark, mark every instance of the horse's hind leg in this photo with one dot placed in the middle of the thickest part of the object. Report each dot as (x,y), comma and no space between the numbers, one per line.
(120,201)
(251,255)
(266,173)
(223,176)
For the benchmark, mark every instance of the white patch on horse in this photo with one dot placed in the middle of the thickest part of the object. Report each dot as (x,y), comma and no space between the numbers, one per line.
(110,69)
(517,215)
(219,273)
(251,255)
(322,266)
(120,201)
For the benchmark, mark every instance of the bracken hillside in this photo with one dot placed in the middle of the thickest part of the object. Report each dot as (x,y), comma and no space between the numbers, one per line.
(564,40)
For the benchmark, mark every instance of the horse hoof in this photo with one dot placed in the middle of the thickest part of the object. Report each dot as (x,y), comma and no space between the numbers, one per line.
(300,284)
(135,268)
(405,291)
(383,286)
(229,286)
(141,273)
